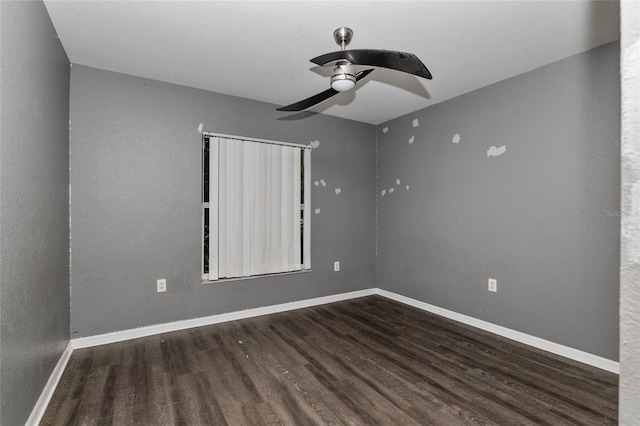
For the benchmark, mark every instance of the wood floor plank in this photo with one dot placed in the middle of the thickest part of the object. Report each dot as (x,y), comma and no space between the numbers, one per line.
(431,413)
(99,395)
(532,355)
(331,400)
(304,399)
(424,376)
(366,361)
(70,387)
(387,385)
(161,379)
(183,353)
(453,375)
(287,355)
(598,390)
(337,388)
(517,373)
(63,414)
(274,354)
(246,359)
(233,409)
(280,387)
(245,392)
(196,387)
(106,355)
(270,417)
(383,410)
(201,339)
(331,369)
(75,376)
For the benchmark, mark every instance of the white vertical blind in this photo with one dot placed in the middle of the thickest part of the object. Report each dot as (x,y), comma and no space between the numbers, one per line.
(246,211)
(259,228)
(296,252)
(275,211)
(286,217)
(221,166)
(258,208)
(231,218)
(213,208)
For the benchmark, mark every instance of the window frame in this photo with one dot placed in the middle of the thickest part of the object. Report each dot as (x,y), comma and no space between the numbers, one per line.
(212,195)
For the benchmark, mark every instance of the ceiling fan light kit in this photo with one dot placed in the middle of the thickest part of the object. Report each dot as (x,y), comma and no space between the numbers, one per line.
(343,82)
(345,77)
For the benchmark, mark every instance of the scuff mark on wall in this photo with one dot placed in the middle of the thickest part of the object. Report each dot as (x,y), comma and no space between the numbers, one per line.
(385,130)
(411,139)
(416,123)
(314,144)
(338,191)
(317,211)
(456,138)
(323,183)
(495,152)
(316,183)
(200,128)
(392,189)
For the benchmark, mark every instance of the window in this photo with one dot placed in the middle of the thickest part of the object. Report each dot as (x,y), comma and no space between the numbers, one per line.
(255,207)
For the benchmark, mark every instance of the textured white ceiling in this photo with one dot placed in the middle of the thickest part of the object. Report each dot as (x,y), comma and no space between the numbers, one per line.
(261,50)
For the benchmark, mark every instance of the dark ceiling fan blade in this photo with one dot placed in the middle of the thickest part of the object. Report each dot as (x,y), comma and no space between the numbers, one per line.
(309,102)
(322,96)
(401,61)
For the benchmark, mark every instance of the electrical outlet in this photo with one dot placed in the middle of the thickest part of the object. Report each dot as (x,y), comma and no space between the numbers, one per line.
(336,266)
(162,285)
(493,285)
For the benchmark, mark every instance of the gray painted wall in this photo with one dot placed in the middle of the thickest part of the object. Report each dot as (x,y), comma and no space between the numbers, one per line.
(135,156)
(34,213)
(542,218)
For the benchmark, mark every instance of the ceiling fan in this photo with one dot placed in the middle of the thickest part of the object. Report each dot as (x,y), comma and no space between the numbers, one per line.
(344,64)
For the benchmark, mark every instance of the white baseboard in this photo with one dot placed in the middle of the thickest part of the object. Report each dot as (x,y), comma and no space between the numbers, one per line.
(118,336)
(536,342)
(43,402)
(546,345)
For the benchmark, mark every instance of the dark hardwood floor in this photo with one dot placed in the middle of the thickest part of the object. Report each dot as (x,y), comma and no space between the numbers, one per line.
(365,361)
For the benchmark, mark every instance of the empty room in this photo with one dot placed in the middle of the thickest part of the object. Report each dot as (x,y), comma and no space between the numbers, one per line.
(319,212)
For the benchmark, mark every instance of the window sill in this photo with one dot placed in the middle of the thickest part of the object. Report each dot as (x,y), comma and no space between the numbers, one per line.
(253,277)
